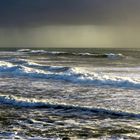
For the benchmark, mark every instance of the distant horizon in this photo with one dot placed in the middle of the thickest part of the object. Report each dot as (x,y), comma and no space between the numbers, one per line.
(53,48)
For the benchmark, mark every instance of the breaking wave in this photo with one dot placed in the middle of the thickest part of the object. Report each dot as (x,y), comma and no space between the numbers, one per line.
(61,53)
(35,103)
(70,74)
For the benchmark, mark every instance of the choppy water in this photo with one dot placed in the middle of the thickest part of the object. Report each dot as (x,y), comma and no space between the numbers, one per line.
(70,93)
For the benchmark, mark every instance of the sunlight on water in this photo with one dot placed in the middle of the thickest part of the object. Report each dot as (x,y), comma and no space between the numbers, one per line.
(75,94)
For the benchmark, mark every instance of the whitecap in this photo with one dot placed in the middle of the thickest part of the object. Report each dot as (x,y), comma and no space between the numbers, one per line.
(114,56)
(36,103)
(23,50)
(73,75)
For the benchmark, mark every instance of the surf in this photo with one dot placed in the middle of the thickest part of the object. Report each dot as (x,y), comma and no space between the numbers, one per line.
(69,74)
(44,103)
(65,53)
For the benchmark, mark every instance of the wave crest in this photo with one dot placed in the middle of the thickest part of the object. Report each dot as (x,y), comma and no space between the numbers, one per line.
(34,103)
(74,75)
(61,53)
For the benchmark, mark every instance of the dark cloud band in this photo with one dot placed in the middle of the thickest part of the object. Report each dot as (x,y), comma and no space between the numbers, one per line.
(15,13)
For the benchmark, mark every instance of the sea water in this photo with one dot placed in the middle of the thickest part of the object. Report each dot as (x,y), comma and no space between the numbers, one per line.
(70,94)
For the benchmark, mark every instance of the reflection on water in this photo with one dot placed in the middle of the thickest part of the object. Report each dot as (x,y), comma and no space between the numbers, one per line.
(73,94)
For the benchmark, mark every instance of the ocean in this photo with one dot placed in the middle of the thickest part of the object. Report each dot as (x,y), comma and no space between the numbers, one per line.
(70,94)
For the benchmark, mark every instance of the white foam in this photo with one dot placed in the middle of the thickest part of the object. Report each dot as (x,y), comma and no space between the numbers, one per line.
(56,52)
(23,50)
(22,102)
(74,75)
(45,67)
(38,103)
(5,64)
(113,55)
(102,79)
(47,52)
(99,55)
(38,51)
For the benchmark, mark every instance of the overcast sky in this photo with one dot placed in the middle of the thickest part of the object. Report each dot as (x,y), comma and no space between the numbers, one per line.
(69,23)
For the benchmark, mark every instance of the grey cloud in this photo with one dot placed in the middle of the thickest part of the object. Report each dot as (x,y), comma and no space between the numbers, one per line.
(14,13)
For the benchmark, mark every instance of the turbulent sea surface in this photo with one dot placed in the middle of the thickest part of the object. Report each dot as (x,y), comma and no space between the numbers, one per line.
(70,94)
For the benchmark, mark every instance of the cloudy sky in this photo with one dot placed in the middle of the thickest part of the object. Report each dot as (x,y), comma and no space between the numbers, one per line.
(69,23)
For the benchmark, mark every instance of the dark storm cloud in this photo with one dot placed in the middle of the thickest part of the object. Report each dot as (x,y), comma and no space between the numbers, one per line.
(53,12)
